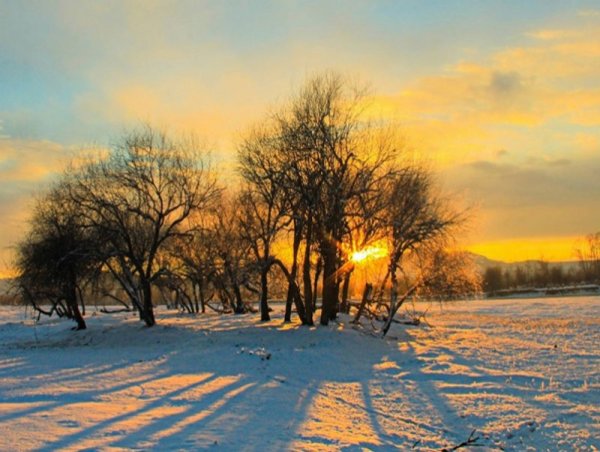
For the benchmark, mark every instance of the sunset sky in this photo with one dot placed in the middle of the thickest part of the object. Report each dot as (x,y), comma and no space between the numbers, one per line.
(502,97)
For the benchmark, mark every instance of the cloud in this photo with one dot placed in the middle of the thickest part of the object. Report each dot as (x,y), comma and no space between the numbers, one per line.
(532,99)
(589,13)
(505,83)
(31,161)
(26,167)
(558,197)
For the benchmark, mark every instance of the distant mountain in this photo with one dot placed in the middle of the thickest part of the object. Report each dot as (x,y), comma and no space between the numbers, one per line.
(483,262)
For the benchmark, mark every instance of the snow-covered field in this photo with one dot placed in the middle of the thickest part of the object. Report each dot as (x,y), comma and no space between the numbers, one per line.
(524,373)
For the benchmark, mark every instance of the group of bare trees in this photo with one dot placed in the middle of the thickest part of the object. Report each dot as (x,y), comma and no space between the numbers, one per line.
(57,257)
(115,215)
(318,181)
(321,173)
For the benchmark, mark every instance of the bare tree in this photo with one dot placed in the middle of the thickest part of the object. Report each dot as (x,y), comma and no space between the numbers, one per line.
(437,274)
(449,276)
(235,269)
(137,200)
(264,207)
(331,160)
(193,258)
(415,219)
(57,257)
(366,227)
(293,292)
(588,254)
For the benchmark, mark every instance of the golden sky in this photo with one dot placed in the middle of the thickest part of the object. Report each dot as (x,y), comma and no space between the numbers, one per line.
(503,98)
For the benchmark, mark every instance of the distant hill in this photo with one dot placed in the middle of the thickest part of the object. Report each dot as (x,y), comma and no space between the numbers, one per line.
(534,278)
(484,263)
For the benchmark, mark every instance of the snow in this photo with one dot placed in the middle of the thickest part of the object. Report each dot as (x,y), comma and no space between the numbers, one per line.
(524,373)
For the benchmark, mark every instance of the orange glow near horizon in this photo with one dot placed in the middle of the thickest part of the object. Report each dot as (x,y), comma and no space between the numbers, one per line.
(551,249)
(514,250)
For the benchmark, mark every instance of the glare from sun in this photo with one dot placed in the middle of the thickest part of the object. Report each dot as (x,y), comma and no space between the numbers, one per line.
(366,253)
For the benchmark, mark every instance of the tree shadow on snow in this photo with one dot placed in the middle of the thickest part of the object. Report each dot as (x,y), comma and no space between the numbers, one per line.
(231,382)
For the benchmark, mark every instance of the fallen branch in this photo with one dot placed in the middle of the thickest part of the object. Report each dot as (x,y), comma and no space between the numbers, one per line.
(115,311)
(218,310)
(471,441)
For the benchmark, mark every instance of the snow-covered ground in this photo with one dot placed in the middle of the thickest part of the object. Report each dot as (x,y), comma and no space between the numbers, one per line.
(524,373)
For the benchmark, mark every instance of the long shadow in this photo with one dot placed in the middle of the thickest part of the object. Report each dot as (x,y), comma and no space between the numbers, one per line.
(63,401)
(439,403)
(387,439)
(230,396)
(454,428)
(66,441)
(251,409)
(35,365)
(8,368)
(66,399)
(285,385)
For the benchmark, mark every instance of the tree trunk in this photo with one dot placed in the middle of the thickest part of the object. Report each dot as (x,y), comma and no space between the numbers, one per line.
(345,305)
(196,298)
(239,303)
(74,307)
(393,289)
(381,291)
(264,304)
(366,298)
(335,303)
(68,309)
(306,276)
(330,286)
(139,303)
(292,277)
(396,304)
(318,271)
(80,295)
(290,295)
(148,310)
(201,296)
(300,308)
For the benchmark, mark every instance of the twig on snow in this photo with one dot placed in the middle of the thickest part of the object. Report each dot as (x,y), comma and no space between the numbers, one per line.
(471,441)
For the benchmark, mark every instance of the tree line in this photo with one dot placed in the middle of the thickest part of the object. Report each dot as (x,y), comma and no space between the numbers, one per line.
(541,273)
(318,181)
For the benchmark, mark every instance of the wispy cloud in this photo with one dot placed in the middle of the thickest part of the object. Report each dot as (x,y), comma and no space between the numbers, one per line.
(589,12)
